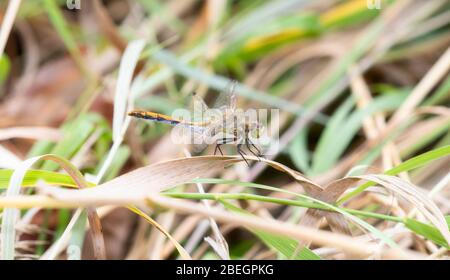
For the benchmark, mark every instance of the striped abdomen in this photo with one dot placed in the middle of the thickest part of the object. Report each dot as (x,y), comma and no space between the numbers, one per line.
(153,117)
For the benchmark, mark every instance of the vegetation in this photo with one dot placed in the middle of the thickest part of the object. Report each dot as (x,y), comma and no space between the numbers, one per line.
(362,164)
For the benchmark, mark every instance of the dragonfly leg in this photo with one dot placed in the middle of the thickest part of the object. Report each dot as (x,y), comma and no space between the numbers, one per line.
(251,151)
(242,153)
(249,144)
(221,142)
(218,149)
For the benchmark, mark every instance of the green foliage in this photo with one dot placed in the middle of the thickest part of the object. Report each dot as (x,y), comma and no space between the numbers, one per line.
(427,231)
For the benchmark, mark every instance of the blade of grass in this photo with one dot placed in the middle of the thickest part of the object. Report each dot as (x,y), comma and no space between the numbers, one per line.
(426,84)
(427,231)
(299,151)
(32,177)
(319,237)
(356,220)
(7,23)
(440,94)
(415,196)
(122,96)
(75,135)
(177,245)
(9,160)
(77,238)
(123,100)
(33,132)
(330,147)
(120,158)
(408,165)
(426,139)
(54,249)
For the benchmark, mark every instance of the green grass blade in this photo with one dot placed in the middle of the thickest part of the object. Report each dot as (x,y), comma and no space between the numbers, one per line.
(345,213)
(75,135)
(33,176)
(342,128)
(60,24)
(299,152)
(427,231)
(77,237)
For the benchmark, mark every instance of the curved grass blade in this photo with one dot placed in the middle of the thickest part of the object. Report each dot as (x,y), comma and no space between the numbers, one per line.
(349,216)
(10,215)
(408,165)
(32,177)
(177,245)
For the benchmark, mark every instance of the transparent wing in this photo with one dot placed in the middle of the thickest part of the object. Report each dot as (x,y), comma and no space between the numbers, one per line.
(199,109)
(193,136)
(202,115)
(227,100)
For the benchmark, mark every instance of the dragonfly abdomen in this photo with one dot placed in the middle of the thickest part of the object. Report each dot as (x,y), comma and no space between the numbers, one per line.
(154,117)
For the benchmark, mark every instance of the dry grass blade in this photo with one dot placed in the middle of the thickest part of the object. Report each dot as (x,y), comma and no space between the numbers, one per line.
(402,188)
(8,22)
(416,196)
(155,178)
(126,70)
(9,160)
(430,80)
(135,185)
(330,194)
(36,133)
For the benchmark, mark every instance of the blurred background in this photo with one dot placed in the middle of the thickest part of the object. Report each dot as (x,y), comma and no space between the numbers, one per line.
(358,83)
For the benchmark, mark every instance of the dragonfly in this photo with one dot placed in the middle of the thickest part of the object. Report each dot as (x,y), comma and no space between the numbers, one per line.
(223,124)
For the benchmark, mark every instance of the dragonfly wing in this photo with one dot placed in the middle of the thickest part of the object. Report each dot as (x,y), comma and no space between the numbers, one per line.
(198,148)
(227,99)
(199,109)
(193,136)
(201,114)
